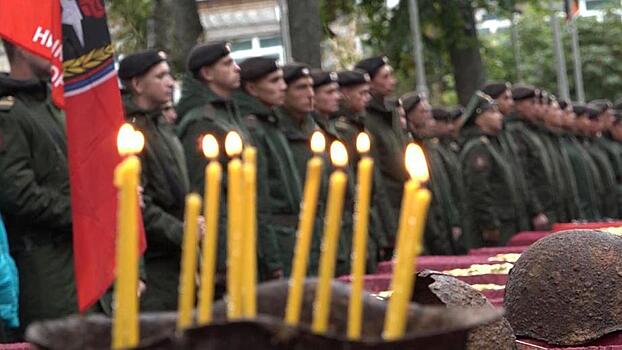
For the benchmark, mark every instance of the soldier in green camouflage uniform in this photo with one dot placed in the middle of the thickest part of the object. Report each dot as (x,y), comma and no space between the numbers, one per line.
(34,190)
(148,83)
(263,88)
(385,130)
(489,179)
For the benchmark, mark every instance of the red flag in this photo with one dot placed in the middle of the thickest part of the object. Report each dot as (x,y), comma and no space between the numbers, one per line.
(94,114)
(572,9)
(38,32)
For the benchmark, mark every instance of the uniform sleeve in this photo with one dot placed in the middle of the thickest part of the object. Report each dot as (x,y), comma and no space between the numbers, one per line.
(268,248)
(477,167)
(20,194)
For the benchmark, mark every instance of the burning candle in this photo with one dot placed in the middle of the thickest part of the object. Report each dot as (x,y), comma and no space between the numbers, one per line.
(125,330)
(235,225)
(305,229)
(359,249)
(211,208)
(334,211)
(249,270)
(415,205)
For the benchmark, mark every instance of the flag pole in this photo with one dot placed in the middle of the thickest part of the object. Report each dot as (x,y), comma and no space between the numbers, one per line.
(576,54)
(422,85)
(560,60)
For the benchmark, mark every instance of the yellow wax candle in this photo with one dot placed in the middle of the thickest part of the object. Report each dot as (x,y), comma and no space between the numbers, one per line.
(334,211)
(305,230)
(211,208)
(235,225)
(359,249)
(125,329)
(187,288)
(412,222)
(249,270)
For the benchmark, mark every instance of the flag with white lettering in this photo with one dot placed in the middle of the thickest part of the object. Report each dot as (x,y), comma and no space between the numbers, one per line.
(35,26)
(92,103)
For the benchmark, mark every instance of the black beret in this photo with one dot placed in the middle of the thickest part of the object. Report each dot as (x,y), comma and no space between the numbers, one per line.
(592,111)
(563,104)
(478,104)
(347,78)
(372,65)
(207,54)
(602,105)
(411,100)
(441,114)
(456,113)
(255,68)
(137,64)
(495,89)
(579,109)
(523,92)
(295,71)
(321,78)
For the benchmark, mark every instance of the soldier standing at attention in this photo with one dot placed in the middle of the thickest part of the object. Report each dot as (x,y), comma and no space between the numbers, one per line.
(348,122)
(443,217)
(34,190)
(385,129)
(148,85)
(525,151)
(262,90)
(489,179)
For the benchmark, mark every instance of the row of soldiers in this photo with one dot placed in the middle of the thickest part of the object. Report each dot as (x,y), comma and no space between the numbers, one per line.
(492,175)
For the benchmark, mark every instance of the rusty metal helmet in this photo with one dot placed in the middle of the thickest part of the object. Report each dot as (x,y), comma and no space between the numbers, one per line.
(566,289)
(435,288)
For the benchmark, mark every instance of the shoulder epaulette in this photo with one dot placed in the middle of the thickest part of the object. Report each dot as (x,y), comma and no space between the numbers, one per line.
(484,139)
(6,103)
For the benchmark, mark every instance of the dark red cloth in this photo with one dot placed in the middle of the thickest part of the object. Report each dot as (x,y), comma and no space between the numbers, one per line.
(441,262)
(585,226)
(526,238)
(492,251)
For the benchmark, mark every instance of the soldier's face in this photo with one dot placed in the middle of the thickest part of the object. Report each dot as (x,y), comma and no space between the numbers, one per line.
(270,89)
(505,102)
(568,118)
(490,121)
(606,119)
(616,131)
(554,115)
(225,73)
(169,112)
(384,81)
(356,97)
(39,66)
(444,128)
(156,85)
(583,124)
(327,98)
(526,107)
(420,116)
(299,95)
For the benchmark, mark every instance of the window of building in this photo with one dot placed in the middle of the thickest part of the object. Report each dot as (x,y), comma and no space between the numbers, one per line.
(600,4)
(270,41)
(241,45)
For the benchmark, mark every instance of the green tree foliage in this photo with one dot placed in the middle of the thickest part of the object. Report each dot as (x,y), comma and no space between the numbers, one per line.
(128,22)
(600,50)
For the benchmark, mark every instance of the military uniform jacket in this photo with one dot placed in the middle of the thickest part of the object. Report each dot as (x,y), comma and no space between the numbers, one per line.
(34,199)
(614,152)
(609,200)
(389,143)
(583,170)
(384,222)
(534,165)
(277,172)
(490,187)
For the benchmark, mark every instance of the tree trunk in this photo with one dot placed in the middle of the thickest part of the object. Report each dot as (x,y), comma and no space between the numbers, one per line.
(175,27)
(305,30)
(463,46)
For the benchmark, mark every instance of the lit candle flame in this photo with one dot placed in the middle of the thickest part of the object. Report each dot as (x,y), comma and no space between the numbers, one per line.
(338,154)
(363,144)
(210,146)
(129,140)
(416,163)
(233,144)
(318,142)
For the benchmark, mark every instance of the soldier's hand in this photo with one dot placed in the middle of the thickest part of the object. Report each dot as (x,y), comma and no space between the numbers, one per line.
(540,222)
(491,235)
(142,287)
(201,223)
(141,199)
(277,274)
(456,232)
